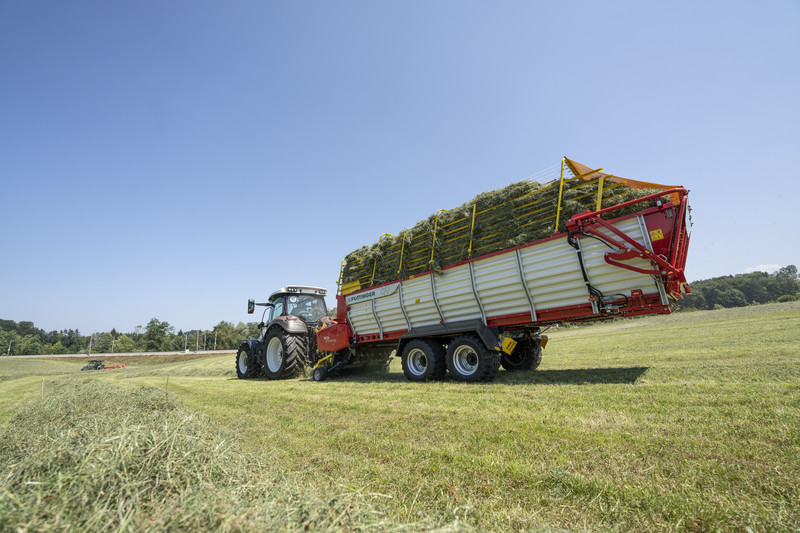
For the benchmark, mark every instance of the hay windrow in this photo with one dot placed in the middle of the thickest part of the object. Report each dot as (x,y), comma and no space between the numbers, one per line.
(521,212)
(89,456)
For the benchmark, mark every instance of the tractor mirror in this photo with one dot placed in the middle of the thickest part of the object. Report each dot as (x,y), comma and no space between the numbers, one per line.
(251,306)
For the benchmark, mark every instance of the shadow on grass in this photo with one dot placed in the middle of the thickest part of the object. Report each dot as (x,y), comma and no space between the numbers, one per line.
(578,376)
(366,375)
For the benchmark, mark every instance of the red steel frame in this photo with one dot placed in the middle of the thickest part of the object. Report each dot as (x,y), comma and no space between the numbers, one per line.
(668,261)
(669,268)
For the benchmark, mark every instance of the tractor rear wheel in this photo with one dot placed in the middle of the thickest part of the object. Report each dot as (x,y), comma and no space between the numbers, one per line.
(284,354)
(527,355)
(469,360)
(246,365)
(423,360)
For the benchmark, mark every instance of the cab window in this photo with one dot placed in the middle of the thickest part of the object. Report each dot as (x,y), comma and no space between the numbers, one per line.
(309,308)
(277,309)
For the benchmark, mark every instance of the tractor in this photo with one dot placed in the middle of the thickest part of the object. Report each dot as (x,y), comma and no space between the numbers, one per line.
(288,341)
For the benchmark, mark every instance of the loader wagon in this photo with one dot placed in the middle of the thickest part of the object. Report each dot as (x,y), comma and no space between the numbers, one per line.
(624,256)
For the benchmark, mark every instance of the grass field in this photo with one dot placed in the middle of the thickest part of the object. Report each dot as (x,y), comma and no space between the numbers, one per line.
(686,422)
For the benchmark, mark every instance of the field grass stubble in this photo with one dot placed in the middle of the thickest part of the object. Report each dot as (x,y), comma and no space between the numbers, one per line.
(682,422)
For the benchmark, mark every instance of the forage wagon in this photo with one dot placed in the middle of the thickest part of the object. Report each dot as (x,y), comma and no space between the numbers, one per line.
(472,289)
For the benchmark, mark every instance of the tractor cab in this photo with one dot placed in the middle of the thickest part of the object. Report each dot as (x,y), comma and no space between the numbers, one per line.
(305,303)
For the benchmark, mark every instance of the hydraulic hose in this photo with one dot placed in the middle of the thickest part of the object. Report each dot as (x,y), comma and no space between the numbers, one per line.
(594,292)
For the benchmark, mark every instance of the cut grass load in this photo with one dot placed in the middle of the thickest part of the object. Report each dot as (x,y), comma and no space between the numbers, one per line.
(495,220)
(684,422)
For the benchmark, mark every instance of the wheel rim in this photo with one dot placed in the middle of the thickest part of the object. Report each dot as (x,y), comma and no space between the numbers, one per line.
(274,354)
(417,362)
(465,360)
(242,362)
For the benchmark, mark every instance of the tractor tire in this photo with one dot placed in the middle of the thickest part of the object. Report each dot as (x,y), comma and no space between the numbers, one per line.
(424,360)
(527,355)
(284,354)
(469,360)
(246,365)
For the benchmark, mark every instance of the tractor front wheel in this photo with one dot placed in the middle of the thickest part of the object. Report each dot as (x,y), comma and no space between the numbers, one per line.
(246,365)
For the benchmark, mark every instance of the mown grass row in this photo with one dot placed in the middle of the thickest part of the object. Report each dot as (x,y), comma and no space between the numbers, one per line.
(89,456)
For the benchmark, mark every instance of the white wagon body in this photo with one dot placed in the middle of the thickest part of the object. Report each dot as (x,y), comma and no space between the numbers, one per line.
(538,282)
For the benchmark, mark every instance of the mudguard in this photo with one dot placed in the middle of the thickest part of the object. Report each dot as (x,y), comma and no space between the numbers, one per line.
(255,345)
(290,324)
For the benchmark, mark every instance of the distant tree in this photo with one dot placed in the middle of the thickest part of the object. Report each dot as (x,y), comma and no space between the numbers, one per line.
(156,337)
(787,280)
(25,338)
(227,337)
(247,331)
(124,344)
(732,298)
(103,343)
(55,349)
(71,339)
(9,341)
(29,345)
(788,272)
(742,289)
(175,342)
(695,300)
(711,294)
(52,337)
(25,328)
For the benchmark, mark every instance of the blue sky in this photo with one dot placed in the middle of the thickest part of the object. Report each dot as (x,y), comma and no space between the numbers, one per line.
(172,159)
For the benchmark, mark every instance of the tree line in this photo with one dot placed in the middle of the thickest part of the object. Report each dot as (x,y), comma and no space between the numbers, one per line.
(743,289)
(23,338)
